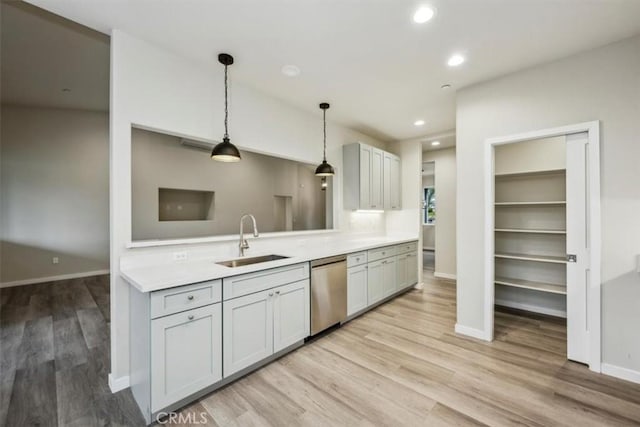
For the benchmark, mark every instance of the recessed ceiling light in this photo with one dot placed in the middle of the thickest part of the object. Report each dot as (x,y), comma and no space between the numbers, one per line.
(418,123)
(455,60)
(435,143)
(445,86)
(423,14)
(291,70)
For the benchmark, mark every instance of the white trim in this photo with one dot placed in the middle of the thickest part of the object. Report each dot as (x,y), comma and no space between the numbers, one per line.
(117,384)
(594,298)
(532,308)
(471,332)
(622,373)
(448,276)
(53,278)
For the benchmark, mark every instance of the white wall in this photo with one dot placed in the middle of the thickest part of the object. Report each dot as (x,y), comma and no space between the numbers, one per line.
(54,193)
(159,90)
(602,84)
(445,227)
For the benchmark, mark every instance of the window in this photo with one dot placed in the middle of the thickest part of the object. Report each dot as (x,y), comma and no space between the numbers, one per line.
(429,205)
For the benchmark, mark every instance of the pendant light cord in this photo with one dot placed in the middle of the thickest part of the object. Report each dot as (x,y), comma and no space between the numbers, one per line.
(226,108)
(324,120)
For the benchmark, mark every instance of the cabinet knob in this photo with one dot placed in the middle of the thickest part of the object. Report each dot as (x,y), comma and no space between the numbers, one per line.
(358,259)
(270,294)
(190,317)
(383,253)
(190,297)
(277,292)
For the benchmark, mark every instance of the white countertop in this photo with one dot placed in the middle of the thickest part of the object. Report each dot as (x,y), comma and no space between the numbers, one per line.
(150,278)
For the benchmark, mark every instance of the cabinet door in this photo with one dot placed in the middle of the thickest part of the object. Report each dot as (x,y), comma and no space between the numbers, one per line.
(389,278)
(374,282)
(392,189)
(248,330)
(290,314)
(412,268)
(402,277)
(377,161)
(356,289)
(186,354)
(365,176)
(395,184)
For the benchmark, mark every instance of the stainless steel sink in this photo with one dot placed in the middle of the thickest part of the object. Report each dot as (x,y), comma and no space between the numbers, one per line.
(253,260)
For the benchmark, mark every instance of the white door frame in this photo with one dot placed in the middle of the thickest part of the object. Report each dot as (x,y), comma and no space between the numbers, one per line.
(594,291)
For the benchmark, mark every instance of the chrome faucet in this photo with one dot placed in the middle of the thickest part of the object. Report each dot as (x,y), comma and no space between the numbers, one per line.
(243,243)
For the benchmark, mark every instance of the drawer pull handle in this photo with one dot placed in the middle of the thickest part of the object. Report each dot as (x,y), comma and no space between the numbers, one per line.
(190,297)
(190,317)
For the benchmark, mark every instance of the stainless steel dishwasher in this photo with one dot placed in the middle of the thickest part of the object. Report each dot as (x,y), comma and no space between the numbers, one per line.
(328,292)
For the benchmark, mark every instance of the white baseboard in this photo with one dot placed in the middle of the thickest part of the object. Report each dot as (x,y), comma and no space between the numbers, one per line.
(532,308)
(622,373)
(445,276)
(117,384)
(471,332)
(53,278)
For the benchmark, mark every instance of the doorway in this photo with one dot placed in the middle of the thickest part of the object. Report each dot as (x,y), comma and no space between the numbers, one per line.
(543,231)
(428,197)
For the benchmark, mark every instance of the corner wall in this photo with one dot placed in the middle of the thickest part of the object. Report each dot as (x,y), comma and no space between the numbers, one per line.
(54,194)
(158,90)
(601,84)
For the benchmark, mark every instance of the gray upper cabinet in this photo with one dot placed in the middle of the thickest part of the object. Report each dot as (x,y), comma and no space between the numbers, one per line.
(371,178)
(392,189)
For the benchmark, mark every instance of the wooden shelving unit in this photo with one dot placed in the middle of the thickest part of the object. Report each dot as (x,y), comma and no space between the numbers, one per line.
(530,237)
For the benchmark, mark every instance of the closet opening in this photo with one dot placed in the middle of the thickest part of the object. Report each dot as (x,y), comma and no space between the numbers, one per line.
(543,240)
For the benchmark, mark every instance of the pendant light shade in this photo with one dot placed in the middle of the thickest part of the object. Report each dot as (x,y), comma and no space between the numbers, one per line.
(324,168)
(226,151)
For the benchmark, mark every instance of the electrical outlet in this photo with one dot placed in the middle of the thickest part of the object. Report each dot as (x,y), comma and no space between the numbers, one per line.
(179,256)
(55,260)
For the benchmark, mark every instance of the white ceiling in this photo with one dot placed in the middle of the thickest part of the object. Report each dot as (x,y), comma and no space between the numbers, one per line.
(42,54)
(379,69)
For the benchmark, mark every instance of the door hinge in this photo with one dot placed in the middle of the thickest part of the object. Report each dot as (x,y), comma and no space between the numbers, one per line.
(572,258)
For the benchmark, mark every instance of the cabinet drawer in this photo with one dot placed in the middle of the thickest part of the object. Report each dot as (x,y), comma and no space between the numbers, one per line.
(380,253)
(358,258)
(246,284)
(407,247)
(174,300)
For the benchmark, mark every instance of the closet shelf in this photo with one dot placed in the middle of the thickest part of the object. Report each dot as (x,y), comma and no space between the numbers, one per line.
(531,173)
(528,284)
(546,203)
(529,257)
(521,230)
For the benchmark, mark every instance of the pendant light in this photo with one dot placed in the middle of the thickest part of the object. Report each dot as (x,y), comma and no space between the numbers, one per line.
(324,168)
(225,151)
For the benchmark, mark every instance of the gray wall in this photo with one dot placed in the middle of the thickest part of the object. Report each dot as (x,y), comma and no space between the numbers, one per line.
(249,186)
(54,192)
(602,84)
(445,228)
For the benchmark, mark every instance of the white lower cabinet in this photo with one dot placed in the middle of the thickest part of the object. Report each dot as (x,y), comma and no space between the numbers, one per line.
(261,324)
(402,271)
(187,354)
(412,268)
(291,316)
(388,277)
(375,290)
(356,289)
(247,330)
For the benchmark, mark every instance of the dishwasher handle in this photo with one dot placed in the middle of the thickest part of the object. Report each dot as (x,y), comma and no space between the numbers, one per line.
(326,261)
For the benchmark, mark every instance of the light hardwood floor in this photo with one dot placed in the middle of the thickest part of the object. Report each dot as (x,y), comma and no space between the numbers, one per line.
(400,364)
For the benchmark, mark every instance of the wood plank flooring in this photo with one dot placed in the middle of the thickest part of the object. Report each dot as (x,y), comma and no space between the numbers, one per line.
(400,364)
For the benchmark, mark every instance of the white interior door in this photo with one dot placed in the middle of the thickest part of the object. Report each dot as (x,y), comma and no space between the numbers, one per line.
(578,267)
